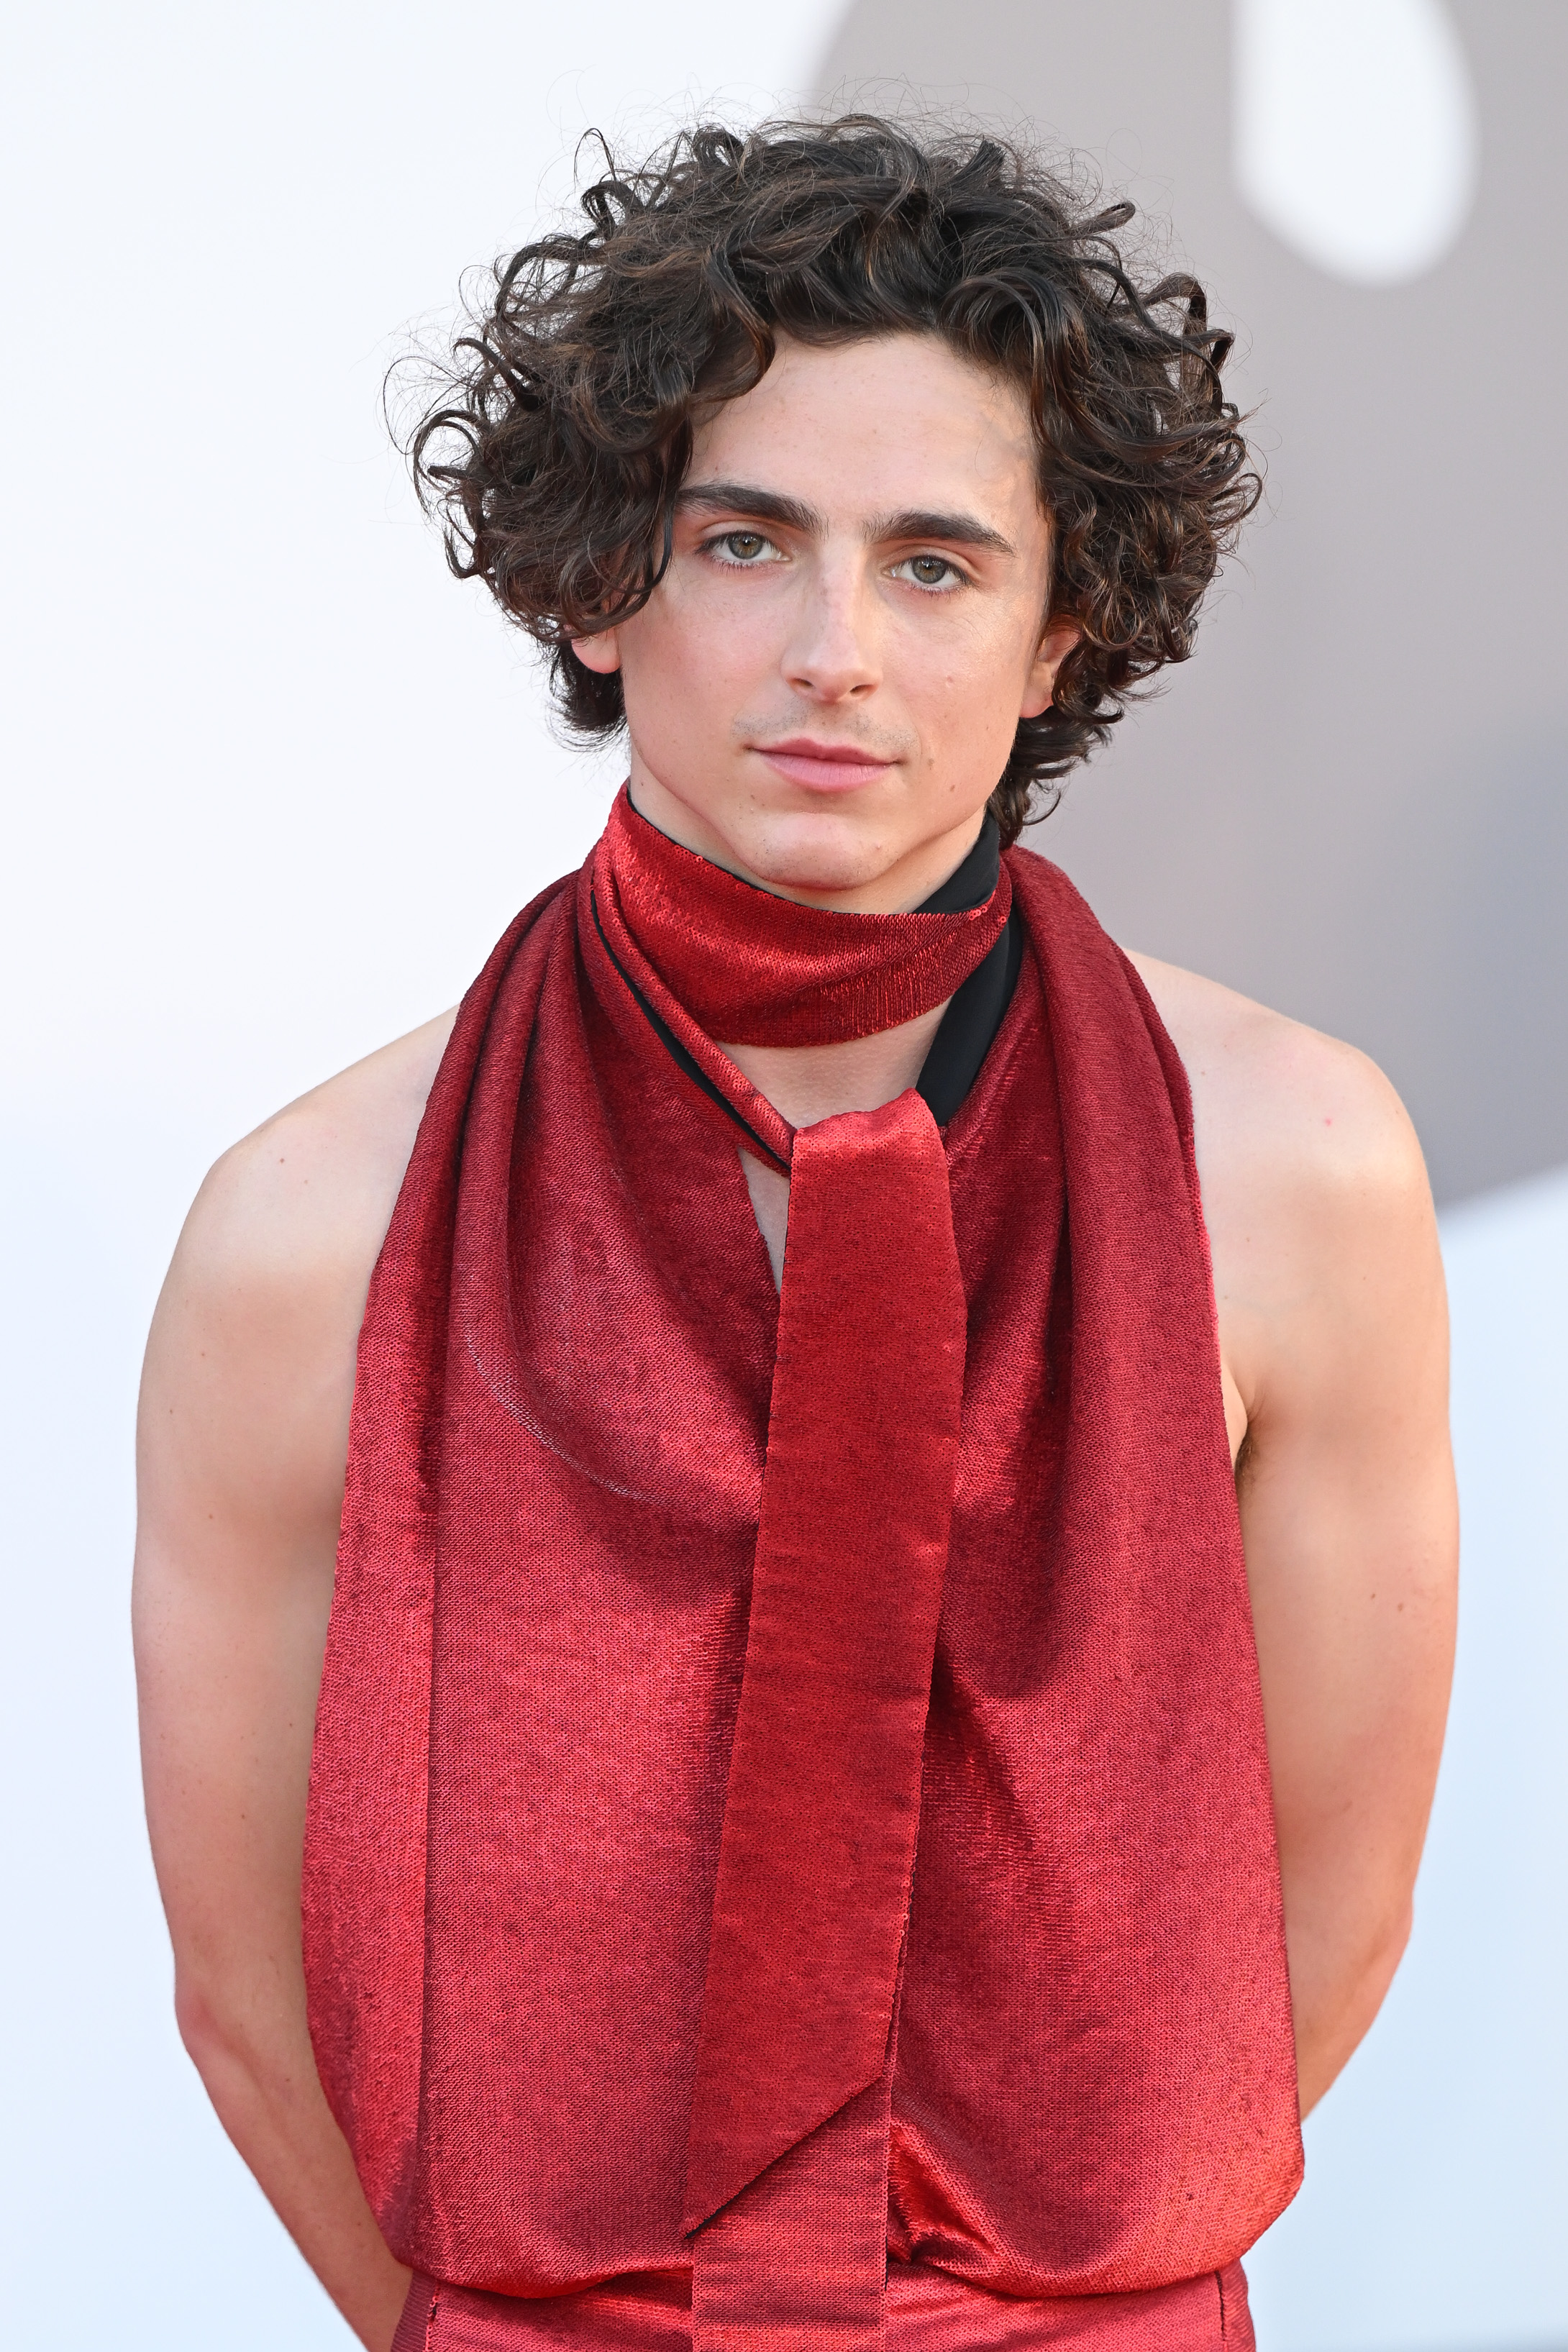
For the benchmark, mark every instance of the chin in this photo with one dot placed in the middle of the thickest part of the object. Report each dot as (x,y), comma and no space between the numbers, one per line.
(819,851)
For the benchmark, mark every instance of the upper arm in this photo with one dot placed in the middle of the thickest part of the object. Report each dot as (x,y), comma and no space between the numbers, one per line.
(1334,1326)
(242,1445)
(1334,1308)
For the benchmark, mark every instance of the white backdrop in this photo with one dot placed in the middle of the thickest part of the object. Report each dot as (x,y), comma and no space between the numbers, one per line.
(274,784)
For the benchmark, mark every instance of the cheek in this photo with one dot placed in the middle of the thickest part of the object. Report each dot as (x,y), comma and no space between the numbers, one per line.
(970,668)
(698,638)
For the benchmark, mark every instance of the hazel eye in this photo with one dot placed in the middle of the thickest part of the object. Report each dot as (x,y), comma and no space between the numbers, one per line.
(930,572)
(743,549)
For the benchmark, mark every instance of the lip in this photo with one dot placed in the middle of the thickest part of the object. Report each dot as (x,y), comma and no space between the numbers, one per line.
(822,767)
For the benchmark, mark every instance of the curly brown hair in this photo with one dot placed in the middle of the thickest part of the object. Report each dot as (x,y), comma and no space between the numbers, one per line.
(563,423)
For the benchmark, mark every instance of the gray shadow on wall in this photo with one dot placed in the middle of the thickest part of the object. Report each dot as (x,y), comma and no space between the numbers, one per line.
(1350,803)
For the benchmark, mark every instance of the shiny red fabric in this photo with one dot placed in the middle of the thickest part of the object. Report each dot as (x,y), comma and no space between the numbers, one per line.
(926,2313)
(753,969)
(1081,2108)
(822,1798)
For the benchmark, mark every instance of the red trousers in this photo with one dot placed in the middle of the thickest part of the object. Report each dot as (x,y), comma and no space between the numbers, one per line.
(927,2312)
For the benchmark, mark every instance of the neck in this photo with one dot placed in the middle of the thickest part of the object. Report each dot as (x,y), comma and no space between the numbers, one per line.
(896,887)
(806,1083)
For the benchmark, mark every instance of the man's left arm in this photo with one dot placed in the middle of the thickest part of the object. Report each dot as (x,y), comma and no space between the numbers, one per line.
(1335,1326)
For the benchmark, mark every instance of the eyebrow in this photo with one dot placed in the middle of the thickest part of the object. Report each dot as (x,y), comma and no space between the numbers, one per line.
(794,514)
(767,506)
(959,529)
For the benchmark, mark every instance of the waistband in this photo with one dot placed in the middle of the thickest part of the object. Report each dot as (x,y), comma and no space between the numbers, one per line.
(927,2312)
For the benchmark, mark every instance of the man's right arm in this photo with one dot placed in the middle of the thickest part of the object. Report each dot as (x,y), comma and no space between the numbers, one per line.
(242,1448)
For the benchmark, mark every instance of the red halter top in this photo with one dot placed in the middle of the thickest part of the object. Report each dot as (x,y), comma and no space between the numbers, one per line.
(790,1857)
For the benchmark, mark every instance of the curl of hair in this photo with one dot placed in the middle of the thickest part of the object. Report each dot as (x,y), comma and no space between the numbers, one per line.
(563,425)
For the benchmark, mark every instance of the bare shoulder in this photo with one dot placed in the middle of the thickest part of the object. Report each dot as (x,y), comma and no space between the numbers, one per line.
(250,1364)
(1275,1102)
(319,1180)
(1321,1231)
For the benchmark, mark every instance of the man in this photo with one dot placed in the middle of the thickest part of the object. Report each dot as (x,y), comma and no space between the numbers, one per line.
(810,1802)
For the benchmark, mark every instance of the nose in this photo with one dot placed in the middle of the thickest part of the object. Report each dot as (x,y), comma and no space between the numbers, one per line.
(833,654)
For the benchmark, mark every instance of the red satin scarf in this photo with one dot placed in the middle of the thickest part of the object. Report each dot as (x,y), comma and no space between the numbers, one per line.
(673,1618)
(752,969)
(823,1793)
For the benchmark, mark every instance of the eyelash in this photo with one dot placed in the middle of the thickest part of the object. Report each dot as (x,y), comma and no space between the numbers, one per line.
(735,562)
(713,548)
(957,579)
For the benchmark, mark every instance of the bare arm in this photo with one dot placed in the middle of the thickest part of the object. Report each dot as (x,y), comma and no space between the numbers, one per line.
(242,1448)
(1333,1329)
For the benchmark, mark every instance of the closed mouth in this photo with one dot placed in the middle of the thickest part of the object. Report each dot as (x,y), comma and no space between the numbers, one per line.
(831,767)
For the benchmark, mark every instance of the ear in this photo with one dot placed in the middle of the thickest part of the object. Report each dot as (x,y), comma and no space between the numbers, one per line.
(601,652)
(1049,654)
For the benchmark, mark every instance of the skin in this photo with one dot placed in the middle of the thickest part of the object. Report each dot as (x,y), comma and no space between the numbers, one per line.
(806,606)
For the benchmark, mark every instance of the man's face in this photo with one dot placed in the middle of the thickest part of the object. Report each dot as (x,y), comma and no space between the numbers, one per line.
(823,691)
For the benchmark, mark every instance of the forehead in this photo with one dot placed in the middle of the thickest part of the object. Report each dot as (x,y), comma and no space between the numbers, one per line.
(894,422)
